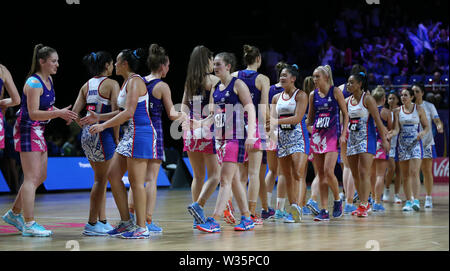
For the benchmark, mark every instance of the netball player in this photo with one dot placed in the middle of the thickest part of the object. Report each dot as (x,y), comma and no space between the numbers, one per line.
(324,105)
(6,82)
(230,96)
(98,94)
(255,166)
(429,150)
(293,141)
(411,126)
(199,143)
(159,99)
(36,110)
(380,162)
(362,143)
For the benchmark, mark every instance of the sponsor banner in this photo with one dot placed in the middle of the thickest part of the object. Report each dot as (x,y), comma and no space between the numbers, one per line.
(440,169)
(66,173)
(3,184)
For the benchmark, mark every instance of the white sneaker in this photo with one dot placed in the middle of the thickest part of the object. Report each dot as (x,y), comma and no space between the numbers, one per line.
(35,230)
(397,199)
(428,202)
(386,195)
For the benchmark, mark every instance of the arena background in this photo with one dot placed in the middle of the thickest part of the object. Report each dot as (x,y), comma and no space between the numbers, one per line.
(294,29)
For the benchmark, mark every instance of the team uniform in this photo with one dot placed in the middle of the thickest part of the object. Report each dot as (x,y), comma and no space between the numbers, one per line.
(139,138)
(2,129)
(272,143)
(408,147)
(393,150)
(229,127)
(326,128)
(291,138)
(380,152)
(200,139)
(429,150)
(156,108)
(362,135)
(29,134)
(97,147)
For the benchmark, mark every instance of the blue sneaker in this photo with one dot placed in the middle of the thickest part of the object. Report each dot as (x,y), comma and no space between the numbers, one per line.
(153,228)
(107,226)
(245,225)
(288,218)
(197,212)
(407,207)
(306,211)
(322,216)
(278,214)
(378,207)
(96,230)
(35,230)
(136,233)
(210,226)
(355,197)
(296,212)
(349,208)
(123,226)
(15,220)
(337,208)
(313,206)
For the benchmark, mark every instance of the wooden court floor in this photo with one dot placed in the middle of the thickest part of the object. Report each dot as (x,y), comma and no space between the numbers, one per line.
(66,214)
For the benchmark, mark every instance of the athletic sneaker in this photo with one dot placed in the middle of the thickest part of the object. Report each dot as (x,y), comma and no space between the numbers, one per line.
(95,230)
(306,211)
(35,230)
(296,212)
(256,220)
(313,206)
(378,207)
(267,214)
(386,195)
(361,211)
(279,214)
(15,220)
(349,208)
(123,226)
(416,205)
(428,202)
(209,226)
(228,214)
(355,197)
(245,225)
(337,208)
(136,233)
(287,218)
(197,212)
(322,216)
(106,226)
(397,199)
(153,228)
(408,206)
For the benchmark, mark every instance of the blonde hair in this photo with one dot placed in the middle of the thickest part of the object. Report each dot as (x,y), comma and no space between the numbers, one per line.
(308,84)
(326,70)
(378,93)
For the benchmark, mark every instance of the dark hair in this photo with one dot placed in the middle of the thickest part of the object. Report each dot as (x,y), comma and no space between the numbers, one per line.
(410,91)
(357,68)
(361,77)
(250,54)
(279,67)
(395,93)
(133,57)
(95,62)
(156,57)
(308,85)
(294,71)
(197,70)
(419,85)
(228,58)
(40,52)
